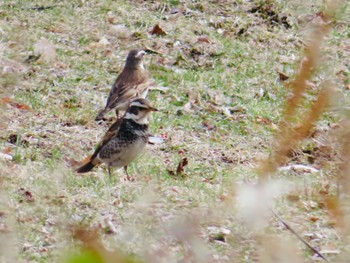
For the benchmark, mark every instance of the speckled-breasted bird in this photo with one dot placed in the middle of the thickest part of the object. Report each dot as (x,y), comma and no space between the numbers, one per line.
(125,140)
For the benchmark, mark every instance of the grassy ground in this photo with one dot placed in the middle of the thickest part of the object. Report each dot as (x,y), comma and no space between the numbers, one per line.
(220,98)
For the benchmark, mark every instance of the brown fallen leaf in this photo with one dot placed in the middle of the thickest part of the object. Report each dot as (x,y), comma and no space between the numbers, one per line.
(314,219)
(203,39)
(263,120)
(7,150)
(157,30)
(282,77)
(28,195)
(12,103)
(293,197)
(181,167)
(112,19)
(208,126)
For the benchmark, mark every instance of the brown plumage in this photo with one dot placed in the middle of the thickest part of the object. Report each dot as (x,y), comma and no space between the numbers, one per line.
(124,140)
(131,83)
(92,162)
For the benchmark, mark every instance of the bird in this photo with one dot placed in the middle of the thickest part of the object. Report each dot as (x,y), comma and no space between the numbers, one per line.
(125,140)
(133,82)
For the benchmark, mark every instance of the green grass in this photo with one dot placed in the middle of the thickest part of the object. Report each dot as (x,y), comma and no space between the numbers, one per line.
(220,111)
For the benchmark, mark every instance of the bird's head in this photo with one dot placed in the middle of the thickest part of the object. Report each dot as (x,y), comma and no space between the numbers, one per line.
(139,110)
(135,58)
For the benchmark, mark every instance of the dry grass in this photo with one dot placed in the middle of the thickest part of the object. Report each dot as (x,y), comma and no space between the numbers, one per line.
(223,105)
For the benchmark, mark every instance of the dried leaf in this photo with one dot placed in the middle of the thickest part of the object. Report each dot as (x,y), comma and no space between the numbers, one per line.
(157,30)
(263,120)
(6,100)
(7,150)
(282,77)
(181,167)
(112,19)
(203,39)
(293,197)
(28,195)
(314,219)
(10,101)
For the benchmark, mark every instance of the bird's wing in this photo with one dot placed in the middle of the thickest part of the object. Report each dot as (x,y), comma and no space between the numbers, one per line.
(133,91)
(111,132)
(124,91)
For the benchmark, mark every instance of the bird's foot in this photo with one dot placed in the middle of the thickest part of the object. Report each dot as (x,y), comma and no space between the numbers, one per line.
(130,178)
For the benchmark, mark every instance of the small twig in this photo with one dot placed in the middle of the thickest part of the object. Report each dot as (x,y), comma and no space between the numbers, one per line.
(298,236)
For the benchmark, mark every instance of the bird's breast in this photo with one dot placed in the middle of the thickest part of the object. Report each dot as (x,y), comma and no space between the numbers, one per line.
(121,154)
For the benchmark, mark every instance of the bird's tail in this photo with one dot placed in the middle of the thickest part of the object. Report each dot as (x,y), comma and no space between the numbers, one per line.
(86,167)
(102,114)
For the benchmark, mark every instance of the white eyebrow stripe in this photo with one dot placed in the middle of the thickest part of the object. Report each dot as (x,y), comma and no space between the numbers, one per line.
(137,104)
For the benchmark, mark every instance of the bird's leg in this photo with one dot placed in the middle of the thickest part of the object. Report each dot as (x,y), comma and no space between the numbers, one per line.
(117,114)
(128,177)
(109,170)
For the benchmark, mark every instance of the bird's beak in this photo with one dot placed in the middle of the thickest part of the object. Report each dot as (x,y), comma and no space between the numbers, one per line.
(152,109)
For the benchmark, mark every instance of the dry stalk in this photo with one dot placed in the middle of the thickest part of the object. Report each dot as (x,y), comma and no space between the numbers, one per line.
(291,134)
(290,137)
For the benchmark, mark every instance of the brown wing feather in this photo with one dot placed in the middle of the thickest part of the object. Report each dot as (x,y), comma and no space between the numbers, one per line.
(113,130)
(129,84)
(126,87)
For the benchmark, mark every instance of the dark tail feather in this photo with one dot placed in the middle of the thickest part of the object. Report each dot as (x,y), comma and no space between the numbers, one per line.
(102,114)
(86,167)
